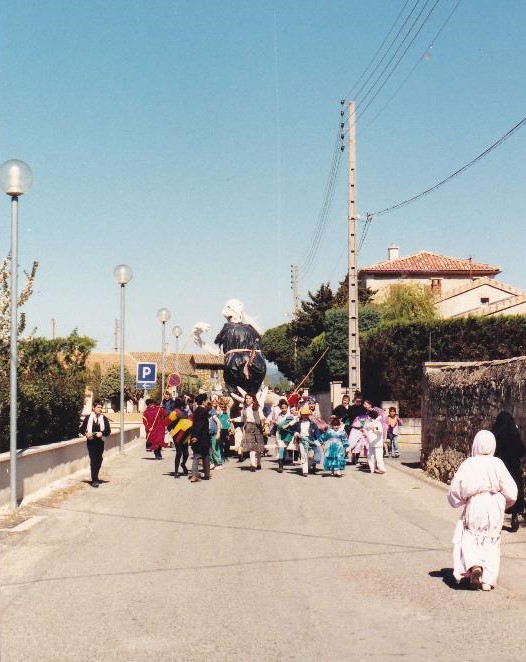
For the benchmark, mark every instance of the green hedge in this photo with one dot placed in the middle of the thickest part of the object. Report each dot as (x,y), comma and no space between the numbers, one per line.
(392,357)
(52,383)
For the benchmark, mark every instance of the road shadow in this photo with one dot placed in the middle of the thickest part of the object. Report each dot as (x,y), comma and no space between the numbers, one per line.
(446,575)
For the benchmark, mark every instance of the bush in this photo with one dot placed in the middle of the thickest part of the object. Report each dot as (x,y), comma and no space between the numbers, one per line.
(392,356)
(52,383)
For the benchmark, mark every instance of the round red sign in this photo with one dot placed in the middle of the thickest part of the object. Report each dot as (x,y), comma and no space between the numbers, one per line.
(174,379)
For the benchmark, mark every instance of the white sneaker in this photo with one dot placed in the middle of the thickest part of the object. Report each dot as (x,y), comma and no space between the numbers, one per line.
(219,467)
(486,587)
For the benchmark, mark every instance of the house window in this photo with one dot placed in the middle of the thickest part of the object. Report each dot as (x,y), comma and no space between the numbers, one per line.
(214,374)
(484,299)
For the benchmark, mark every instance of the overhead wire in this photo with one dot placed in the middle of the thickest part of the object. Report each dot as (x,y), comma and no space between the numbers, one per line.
(393,55)
(350,94)
(308,261)
(362,111)
(480,156)
(422,57)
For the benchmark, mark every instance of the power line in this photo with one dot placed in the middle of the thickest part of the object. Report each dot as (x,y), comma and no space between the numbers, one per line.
(373,85)
(351,94)
(422,57)
(489,149)
(308,261)
(400,58)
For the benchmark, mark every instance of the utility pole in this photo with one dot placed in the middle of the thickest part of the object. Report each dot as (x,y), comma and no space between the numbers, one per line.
(354,346)
(295,286)
(53,327)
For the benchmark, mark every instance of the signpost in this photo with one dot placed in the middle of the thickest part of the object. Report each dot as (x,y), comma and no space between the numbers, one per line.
(174,380)
(146,375)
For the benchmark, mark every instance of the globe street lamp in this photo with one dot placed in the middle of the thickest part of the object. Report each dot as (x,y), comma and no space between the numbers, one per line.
(177,332)
(15,180)
(122,274)
(163,315)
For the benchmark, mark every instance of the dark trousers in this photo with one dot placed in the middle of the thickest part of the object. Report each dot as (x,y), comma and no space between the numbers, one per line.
(224,439)
(95,451)
(181,452)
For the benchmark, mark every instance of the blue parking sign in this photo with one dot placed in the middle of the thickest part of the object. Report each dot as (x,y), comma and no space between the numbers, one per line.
(146,373)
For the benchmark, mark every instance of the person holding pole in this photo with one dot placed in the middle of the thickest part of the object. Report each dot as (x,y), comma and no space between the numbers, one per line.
(154,420)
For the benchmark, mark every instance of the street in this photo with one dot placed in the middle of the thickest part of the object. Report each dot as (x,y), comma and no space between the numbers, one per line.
(251,566)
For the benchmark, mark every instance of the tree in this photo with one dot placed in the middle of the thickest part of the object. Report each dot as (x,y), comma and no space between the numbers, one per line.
(408,302)
(5,298)
(94,379)
(110,386)
(369,317)
(337,337)
(52,385)
(309,322)
(341,298)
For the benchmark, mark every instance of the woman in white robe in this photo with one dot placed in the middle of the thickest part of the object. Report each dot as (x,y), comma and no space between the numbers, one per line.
(485,488)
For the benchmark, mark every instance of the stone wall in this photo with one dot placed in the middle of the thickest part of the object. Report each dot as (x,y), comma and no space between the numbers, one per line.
(458,399)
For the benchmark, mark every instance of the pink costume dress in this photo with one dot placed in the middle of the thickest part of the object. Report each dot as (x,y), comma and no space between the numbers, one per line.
(484,488)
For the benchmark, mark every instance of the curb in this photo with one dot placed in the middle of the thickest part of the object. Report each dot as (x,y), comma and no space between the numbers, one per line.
(417,473)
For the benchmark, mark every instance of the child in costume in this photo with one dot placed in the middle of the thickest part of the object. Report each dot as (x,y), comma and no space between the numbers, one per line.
(335,443)
(358,440)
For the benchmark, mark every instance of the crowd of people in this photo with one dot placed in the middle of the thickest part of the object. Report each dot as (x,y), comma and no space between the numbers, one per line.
(218,427)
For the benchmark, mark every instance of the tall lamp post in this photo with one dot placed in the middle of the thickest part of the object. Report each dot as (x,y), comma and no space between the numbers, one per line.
(122,274)
(163,315)
(15,180)
(177,332)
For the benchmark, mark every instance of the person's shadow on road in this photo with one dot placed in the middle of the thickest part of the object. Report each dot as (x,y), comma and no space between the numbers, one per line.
(446,575)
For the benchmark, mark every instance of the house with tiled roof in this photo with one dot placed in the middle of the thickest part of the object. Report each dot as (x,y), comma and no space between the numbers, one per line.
(478,297)
(440,272)
(461,286)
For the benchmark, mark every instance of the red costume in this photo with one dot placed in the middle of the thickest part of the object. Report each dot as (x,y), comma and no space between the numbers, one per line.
(155,420)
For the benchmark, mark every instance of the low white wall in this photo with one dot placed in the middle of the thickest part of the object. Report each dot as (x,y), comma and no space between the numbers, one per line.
(39,466)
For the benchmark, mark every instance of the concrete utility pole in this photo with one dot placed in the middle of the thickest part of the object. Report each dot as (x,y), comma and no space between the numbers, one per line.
(295,286)
(354,347)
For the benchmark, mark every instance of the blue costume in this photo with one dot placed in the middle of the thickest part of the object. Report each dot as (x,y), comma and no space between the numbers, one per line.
(335,444)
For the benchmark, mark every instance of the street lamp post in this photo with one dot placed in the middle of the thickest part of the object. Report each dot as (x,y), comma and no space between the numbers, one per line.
(177,332)
(122,274)
(163,315)
(15,180)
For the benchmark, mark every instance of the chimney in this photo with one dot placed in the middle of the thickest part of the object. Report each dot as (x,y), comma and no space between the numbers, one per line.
(392,252)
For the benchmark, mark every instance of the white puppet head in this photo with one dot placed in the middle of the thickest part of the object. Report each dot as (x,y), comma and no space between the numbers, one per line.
(234,311)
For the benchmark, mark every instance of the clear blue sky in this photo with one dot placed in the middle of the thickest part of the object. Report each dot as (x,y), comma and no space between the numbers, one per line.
(193,140)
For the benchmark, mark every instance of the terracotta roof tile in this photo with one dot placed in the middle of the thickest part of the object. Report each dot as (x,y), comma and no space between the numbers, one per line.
(208,360)
(426,262)
(180,363)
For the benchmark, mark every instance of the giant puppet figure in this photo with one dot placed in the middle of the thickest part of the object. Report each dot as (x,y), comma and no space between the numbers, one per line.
(240,342)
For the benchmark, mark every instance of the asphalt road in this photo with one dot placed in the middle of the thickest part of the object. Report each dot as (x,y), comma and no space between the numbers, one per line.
(249,567)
